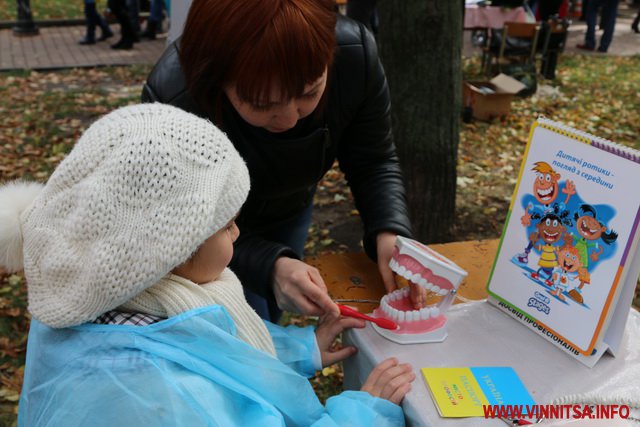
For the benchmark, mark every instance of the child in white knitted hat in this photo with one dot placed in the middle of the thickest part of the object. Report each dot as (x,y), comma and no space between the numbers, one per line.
(136,319)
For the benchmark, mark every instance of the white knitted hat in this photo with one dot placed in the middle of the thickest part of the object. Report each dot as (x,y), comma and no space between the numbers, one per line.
(141,190)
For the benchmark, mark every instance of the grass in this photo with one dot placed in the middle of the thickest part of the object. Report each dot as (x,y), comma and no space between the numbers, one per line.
(47,9)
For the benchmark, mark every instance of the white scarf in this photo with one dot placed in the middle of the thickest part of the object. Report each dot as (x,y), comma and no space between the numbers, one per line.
(173,295)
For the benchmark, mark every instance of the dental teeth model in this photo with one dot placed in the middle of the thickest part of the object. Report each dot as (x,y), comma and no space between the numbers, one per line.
(431,271)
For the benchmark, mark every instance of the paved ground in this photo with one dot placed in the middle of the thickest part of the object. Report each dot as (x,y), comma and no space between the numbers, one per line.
(57,47)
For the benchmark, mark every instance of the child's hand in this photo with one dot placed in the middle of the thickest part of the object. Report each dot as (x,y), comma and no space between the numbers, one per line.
(390,380)
(329,327)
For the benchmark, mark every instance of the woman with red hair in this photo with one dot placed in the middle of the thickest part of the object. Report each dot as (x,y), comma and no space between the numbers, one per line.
(295,87)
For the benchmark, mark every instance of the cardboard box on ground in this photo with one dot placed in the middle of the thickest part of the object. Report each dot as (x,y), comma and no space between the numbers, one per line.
(491,99)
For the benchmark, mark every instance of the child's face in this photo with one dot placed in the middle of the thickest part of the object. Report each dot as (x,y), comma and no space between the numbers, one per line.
(211,257)
(569,259)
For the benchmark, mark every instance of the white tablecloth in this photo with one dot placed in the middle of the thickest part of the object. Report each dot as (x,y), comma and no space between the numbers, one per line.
(481,335)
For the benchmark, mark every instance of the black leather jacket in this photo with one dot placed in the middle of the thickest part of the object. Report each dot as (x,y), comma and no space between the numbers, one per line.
(285,168)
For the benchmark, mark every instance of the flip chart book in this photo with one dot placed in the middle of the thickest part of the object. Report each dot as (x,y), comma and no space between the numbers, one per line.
(568,259)
(465,392)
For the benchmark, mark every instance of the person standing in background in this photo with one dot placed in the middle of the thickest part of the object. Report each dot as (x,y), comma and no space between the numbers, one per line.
(121,12)
(94,19)
(134,15)
(154,23)
(608,11)
(548,9)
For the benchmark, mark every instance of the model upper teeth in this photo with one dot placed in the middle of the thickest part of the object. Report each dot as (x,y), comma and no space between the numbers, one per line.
(416,278)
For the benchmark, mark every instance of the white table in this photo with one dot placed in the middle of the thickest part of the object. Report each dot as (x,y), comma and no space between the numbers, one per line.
(481,335)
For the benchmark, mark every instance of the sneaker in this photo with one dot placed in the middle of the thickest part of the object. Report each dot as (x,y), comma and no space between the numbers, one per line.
(585,47)
(602,50)
(85,41)
(535,275)
(523,258)
(548,282)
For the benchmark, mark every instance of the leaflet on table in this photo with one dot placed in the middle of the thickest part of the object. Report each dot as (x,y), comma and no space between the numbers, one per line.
(467,392)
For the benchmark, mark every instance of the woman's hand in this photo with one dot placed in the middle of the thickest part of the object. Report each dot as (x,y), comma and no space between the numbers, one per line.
(418,296)
(385,245)
(390,380)
(298,287)
(329,327)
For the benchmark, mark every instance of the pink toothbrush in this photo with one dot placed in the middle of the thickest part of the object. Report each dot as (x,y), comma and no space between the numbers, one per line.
(383,323)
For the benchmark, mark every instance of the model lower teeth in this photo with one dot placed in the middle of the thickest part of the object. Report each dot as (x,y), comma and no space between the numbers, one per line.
(397,306)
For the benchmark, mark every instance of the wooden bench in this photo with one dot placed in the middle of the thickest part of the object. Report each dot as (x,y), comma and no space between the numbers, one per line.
(353,279)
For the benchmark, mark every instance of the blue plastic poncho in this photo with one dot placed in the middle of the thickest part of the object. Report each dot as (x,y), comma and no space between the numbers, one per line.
(189,370)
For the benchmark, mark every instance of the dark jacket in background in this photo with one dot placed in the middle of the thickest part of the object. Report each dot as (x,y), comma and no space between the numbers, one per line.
(355,128)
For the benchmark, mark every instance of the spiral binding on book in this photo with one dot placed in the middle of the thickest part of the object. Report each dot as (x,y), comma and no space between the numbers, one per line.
(598,142)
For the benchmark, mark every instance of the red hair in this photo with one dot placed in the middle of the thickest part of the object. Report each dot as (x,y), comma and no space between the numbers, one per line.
(254,44)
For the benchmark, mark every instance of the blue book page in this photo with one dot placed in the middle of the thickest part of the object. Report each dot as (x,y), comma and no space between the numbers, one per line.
(502,386)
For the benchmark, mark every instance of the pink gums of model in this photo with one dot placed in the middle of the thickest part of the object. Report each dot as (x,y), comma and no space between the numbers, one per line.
(431,271)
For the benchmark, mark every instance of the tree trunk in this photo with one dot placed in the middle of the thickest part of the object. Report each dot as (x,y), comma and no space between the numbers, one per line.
(420,44)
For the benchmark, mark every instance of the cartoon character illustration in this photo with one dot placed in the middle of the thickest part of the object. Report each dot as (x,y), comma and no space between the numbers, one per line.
(545,189)
(550,230)
(590,229)
(569,273)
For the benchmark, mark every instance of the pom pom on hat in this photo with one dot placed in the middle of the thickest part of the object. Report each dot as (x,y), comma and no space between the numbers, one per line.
(142,189)
(15,198)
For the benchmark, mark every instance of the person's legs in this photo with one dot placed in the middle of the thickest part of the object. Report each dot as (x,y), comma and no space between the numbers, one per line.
(119,9)
(104,26)
(155,10)
(592,18)
(294,234)
(609,15)
(549,63)
(95,19)
(155,19)
(89,15)
(134,15)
